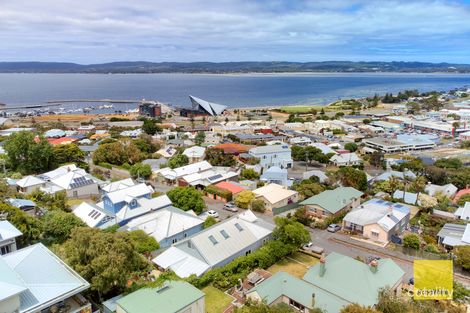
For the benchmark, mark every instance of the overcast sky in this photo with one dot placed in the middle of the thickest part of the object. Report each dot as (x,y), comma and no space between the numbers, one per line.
(95,31)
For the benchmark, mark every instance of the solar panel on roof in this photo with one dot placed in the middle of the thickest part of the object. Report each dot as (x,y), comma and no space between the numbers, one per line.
(215,177)
(224,233)
(97,215)
(213,240)
(238,226)
(93,211)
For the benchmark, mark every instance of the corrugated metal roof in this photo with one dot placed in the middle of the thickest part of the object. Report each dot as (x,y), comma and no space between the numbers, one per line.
(8,231)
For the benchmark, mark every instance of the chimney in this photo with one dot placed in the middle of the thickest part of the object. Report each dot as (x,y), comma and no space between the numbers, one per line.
(374,266)
(313,300)
(322,265)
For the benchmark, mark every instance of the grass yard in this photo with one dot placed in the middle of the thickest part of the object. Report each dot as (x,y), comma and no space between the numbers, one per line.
(73,202)
(296,265)
(216,300)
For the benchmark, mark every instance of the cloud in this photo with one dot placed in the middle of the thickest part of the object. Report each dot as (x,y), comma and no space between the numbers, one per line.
(229,30)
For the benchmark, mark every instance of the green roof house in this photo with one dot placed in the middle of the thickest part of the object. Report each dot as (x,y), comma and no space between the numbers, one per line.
(331,285)
(173,297)
(333,202)
(354,281)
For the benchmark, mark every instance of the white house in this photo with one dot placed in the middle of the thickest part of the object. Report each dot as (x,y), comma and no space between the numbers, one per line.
(29,183)
(346,159)
(448,190)
(273,155)
(463,212)
(276,196)
(8,234)
(216,246)
(195,154)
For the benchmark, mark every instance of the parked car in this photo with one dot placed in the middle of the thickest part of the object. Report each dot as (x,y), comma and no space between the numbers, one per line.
(307,246)
(333,228)
(230,207)
(213,213)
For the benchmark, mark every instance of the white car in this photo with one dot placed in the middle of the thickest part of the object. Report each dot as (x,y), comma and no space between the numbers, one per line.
(213,213)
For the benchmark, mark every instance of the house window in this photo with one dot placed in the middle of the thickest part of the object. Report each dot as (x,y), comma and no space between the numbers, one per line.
(5,250)
(75,193)
(174,240)
(248,252)
(238,226)
(296,305)
(374,234)
(224,233)
(134,202)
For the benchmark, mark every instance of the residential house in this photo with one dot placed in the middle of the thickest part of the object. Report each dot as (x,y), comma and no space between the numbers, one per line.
(333,202)
(276,175)
(378,220)
(172,297)
(331,284)
(448,190)
(167,152)
(228,186)
(121,206)
(300,141)
(273,155)
(461,193)
(168,225)
(200,175)
(34,279)
(276,196)
(463,212)
(76,183)
(406,197)
(233,148)
(22,204)
(325,149)
(195,154)
(118,185)
(399,175)
(453,235)
(315,173)
(8,234)
(216,246)
(29,184)
(342,278)
(346,159)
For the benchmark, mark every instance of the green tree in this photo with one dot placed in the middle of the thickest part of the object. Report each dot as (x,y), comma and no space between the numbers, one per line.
(142,242)
(58,225)
(217,157)
(290,232)
(106,260)
(141,170)
(352,177)
(150,127)
(351,146)
(70,153)
(462,254)
(357,308)
(200,138)
(244,199)
(306,188)
(411,241)
(57,201)
(249,173)
(301,215)
(262,307)
(448,163)
(258,205)
(463,199)
(30,226)
(186,198)
(178,160)
(209,221)
(460,292)
(145,144)
(27,156)
(117,153)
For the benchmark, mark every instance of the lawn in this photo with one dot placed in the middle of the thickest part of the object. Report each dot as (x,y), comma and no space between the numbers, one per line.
(296,265)
(73,202)
(216,300)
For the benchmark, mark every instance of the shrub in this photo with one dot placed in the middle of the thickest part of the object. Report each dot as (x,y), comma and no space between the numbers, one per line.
(411,241)
(258,205)
(224,193)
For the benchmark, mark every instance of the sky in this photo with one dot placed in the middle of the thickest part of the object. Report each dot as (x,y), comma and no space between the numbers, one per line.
(98,31)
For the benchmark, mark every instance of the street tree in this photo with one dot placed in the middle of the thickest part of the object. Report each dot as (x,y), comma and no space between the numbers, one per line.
(244,199)
(187,198)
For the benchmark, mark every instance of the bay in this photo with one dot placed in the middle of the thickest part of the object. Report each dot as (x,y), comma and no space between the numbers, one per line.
(233,90)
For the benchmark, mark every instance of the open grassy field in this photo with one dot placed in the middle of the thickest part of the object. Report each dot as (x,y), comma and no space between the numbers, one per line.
(216,300)
(302,108)
(296,265)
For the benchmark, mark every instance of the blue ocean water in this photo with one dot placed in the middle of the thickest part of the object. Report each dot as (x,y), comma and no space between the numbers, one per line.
(245,90)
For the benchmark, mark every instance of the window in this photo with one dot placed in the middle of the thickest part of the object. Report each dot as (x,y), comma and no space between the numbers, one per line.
(5,250)
(224,233)
(213,240)
(174,240)
(75,193)
(248,252)
(134,202)
(238,226)
(374,234)
(296,305)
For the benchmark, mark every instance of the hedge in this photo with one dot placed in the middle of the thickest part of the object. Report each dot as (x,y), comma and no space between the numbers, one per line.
(224,193)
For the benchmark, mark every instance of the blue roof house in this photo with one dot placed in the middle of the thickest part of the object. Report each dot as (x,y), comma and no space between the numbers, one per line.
(276,175)
(273,155)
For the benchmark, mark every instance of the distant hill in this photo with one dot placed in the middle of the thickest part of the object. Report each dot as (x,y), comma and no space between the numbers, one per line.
(232,67)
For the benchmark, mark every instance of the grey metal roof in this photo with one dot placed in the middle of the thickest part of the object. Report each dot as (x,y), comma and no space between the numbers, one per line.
(54,282)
